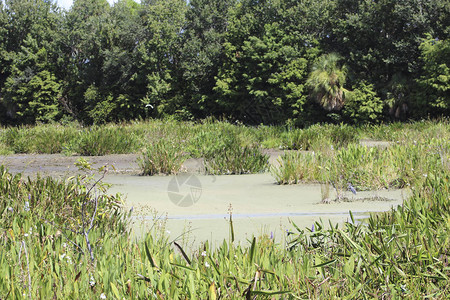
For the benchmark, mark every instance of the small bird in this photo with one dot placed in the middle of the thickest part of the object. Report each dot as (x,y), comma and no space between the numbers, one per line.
(350,186)
(149,105)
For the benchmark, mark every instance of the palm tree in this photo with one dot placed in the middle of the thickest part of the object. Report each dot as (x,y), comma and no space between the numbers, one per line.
(326,82)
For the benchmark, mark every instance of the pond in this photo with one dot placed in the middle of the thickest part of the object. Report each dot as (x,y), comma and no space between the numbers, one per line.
(192,208)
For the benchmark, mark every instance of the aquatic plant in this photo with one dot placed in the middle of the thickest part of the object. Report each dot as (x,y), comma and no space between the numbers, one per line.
(229,156)
(236,160)
(365,168)
(162,157)
(72,138)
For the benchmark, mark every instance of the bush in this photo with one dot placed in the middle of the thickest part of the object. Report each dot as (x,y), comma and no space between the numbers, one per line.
(363,106)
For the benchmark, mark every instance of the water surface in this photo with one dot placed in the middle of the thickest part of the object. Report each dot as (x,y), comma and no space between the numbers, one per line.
(258,205)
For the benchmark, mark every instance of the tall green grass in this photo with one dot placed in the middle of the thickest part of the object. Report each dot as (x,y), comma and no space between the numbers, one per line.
(199,136)
(107,140)
(363,167)
(162,157)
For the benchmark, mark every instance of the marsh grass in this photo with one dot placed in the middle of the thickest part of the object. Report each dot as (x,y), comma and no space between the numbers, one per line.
(162,157)
(16,139)
(296,167)
(107,140)
(52,139)
(5,150)
(318,137)
(365,168)
(235,159)
(230,154)
(72,138)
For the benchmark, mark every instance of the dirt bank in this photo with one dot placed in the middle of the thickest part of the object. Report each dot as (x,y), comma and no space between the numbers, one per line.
(62,166)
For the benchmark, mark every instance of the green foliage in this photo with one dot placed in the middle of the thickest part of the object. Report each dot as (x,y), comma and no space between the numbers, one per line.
(326,82)
(435,80)
(364,168)
(51,138)
(163,21)
(380,39)
(235,159)
(202,54)
(32,91)
(96,141)
(227,149)
(16,139)
(241,60)
(319,137)
(264,73)
(101,112)
(363,105)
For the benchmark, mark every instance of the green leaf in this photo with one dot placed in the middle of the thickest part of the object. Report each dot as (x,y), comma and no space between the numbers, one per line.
(270,293)
(184,267)
(183,253)
(325,263)
(115,290)
(252,249)
(149,256)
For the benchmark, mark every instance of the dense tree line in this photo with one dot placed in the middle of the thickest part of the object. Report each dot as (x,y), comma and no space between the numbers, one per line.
(265,61)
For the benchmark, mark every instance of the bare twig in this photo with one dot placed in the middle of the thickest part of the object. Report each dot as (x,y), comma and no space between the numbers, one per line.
(86,225)
(91,221)
(61,229)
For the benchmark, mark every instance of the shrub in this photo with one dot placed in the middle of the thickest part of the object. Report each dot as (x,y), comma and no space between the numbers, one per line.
(363,106)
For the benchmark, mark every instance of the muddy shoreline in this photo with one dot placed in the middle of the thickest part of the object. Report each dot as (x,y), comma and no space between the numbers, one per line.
(59,165)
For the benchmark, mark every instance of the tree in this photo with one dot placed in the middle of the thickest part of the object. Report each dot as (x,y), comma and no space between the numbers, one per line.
(262,79)
(3,58)
(81,39)
(326,82)
(363,105)
(29,88)
(121,81)
(380,40)
(433,96)
(159,53)
(202,54)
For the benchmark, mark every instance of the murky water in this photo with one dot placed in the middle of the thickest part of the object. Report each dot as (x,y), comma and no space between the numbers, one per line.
(196,207)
